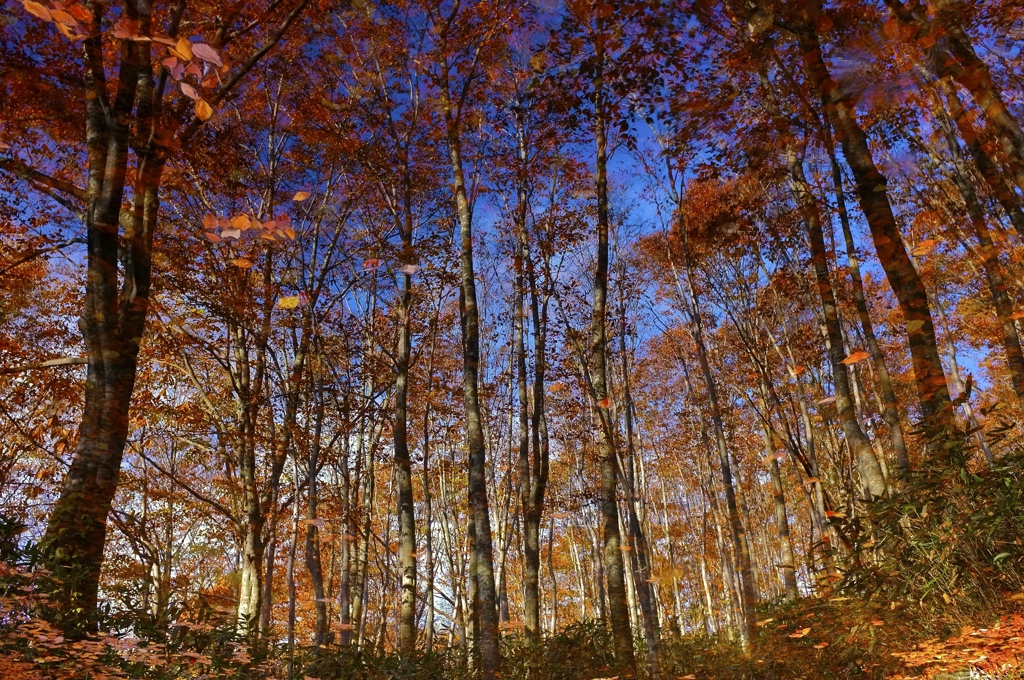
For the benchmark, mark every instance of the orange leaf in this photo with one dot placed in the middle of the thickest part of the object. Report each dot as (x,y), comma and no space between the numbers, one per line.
(821,645)
(213,237)
(301,196)
(37,10)
(242,262)
(80,13)
(371,263)
(63,17)
(240,222)
(604,403)
(800,633)
(855,357)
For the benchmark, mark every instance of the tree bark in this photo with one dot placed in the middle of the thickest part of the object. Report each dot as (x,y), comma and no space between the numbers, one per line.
(618,608)
(487,635)
(929,376)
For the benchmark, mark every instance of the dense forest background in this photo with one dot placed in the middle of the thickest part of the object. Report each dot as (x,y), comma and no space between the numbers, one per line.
(541,339)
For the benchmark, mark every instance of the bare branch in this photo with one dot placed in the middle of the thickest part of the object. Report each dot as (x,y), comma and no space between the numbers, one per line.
(52,363)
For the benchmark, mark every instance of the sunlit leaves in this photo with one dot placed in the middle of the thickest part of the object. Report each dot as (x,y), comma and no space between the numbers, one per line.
(289,302)
(301,196)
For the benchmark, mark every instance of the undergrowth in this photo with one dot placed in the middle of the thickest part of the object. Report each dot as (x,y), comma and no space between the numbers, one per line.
(935,590)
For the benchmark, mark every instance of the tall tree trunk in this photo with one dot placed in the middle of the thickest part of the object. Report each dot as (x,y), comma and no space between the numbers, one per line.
(952,54)
(618,608)
(748,599)
(929,376)
(312,551)
(113,317)
(890,407)
(860,445)
(403,463)
(641,556)
(995,276)
(788,566)
(487,635)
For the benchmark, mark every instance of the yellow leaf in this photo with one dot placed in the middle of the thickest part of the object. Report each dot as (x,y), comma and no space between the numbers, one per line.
(290,302)
(183,48)
(915,325)
(855,357)
(203,110)
(800,633)
(301,196)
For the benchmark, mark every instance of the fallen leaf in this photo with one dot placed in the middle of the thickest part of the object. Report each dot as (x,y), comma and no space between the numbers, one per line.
(826,400)
(763,623)
(800,633)
(604,403)
(371,263)
(821,645)
(241,222)
(213,237)
(242,262)
(301,196)
(291,302)
(230,233)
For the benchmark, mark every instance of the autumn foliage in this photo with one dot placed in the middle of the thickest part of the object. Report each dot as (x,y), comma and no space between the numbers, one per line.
(569,339)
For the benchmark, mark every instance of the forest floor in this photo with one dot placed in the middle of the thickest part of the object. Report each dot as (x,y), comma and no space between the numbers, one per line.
(841,637)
